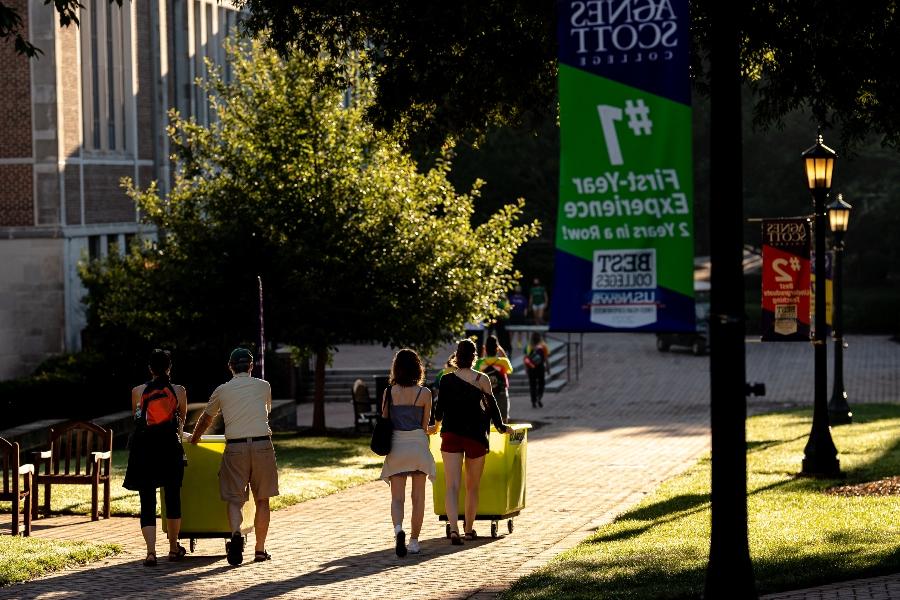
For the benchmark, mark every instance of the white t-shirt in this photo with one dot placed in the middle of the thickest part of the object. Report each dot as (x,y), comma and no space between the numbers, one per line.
(245,403)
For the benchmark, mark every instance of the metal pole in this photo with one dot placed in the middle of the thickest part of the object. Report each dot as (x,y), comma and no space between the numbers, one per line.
(729,573)
(820,454)
(838,409)
(262,332)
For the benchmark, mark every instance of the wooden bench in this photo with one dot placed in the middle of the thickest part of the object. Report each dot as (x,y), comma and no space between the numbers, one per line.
(11,492)
(80,453)
(365,409)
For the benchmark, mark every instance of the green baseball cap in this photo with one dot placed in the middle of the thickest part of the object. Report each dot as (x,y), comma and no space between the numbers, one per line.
(240,356)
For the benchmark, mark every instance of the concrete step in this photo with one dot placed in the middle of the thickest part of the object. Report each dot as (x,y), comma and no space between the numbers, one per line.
(339,381)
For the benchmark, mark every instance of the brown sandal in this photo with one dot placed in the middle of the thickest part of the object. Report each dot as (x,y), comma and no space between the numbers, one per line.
(177,555)
(455,539)
(471,535)
(150,561)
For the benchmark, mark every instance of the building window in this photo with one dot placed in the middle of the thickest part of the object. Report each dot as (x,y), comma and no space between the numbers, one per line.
(94,247)
(107,101)
(112,244)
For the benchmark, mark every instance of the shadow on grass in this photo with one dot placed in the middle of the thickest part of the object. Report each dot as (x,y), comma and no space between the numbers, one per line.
(304,452)
(887,464)
(795,572)
(645,577)
(655,514)
(583,580)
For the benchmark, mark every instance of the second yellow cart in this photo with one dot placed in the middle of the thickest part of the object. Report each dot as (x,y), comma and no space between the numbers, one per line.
(501,494)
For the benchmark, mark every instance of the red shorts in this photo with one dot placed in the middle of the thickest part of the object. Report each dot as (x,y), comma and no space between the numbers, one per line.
(451,442)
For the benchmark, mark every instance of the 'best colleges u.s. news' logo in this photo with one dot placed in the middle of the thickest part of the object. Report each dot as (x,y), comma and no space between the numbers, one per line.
(622,31)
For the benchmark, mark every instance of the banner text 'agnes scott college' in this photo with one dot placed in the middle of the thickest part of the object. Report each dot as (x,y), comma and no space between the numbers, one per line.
(624,236)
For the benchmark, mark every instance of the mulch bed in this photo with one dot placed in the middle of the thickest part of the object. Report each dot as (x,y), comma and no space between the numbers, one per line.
(883,487)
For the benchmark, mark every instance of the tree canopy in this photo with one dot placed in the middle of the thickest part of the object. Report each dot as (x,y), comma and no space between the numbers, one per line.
(455,68)
(353,242)
(439,67)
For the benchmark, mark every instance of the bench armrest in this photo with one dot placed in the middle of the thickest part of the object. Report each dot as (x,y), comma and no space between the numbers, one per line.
(98,456)
(23,469)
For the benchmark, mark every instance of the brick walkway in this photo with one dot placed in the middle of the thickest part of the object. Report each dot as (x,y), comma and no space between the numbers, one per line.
(636,418)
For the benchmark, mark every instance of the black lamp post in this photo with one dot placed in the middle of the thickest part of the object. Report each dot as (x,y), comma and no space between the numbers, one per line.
(839,218)
(820,454)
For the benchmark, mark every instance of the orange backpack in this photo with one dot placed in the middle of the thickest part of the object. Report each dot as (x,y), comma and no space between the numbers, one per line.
(159,404)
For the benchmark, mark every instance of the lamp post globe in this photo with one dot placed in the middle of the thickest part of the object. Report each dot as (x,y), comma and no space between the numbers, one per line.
(839,219)
(820,454)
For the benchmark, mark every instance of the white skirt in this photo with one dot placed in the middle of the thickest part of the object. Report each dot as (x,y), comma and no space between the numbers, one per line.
(409,453)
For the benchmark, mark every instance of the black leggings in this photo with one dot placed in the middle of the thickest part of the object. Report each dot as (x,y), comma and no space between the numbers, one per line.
(148,505)
(536,384)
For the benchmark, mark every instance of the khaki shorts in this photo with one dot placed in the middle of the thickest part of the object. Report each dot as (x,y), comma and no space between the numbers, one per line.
(244,464)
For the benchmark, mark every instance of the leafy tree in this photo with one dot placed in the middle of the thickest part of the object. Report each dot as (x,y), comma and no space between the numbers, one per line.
(458,67)
(439,67)
(352,241)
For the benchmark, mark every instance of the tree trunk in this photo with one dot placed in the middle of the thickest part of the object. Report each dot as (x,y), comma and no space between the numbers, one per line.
(318,423)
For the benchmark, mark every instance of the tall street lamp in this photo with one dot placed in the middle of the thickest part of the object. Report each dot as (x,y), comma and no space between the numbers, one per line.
(839,218)
(820,454)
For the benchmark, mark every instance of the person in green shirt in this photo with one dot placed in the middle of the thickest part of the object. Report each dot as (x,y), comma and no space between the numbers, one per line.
(495,364)
(538,299)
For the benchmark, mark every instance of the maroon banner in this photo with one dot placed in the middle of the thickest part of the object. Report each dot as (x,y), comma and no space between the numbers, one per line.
(785,280)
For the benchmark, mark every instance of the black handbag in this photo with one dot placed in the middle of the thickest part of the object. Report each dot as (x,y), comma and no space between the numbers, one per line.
(383,430)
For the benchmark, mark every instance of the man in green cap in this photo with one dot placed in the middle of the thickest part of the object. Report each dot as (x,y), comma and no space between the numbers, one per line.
(249,457)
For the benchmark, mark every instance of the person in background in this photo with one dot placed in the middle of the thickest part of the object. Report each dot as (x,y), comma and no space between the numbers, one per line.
(537,365)
(518,313)
(249,457)
(464,400)
(495,364)
(408,403)
(538,299)
(156,456)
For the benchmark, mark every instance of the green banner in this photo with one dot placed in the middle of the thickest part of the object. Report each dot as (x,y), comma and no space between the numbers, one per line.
(624,239)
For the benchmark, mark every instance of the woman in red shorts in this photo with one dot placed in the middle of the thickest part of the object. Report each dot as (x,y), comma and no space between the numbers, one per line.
(464,409)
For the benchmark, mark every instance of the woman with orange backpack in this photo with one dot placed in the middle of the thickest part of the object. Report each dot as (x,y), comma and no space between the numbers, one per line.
(156,457)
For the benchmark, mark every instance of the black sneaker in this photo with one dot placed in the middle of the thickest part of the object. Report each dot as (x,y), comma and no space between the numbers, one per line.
(235,549)
(401,544)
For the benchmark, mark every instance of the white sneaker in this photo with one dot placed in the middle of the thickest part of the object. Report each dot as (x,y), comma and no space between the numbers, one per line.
(413,546)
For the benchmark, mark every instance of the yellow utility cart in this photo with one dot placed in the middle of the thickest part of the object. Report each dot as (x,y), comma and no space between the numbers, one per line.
(501,493)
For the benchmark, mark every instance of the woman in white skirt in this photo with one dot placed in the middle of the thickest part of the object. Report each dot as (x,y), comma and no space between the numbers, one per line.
(409,406)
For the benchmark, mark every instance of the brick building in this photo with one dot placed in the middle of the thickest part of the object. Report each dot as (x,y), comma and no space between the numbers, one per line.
(91,110)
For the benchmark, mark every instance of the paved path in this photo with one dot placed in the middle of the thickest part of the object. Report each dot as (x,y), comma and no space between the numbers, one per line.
(636,418)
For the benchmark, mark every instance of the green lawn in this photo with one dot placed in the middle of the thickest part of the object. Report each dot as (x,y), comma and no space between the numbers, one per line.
(800,536)
(308,467)
(24,558)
